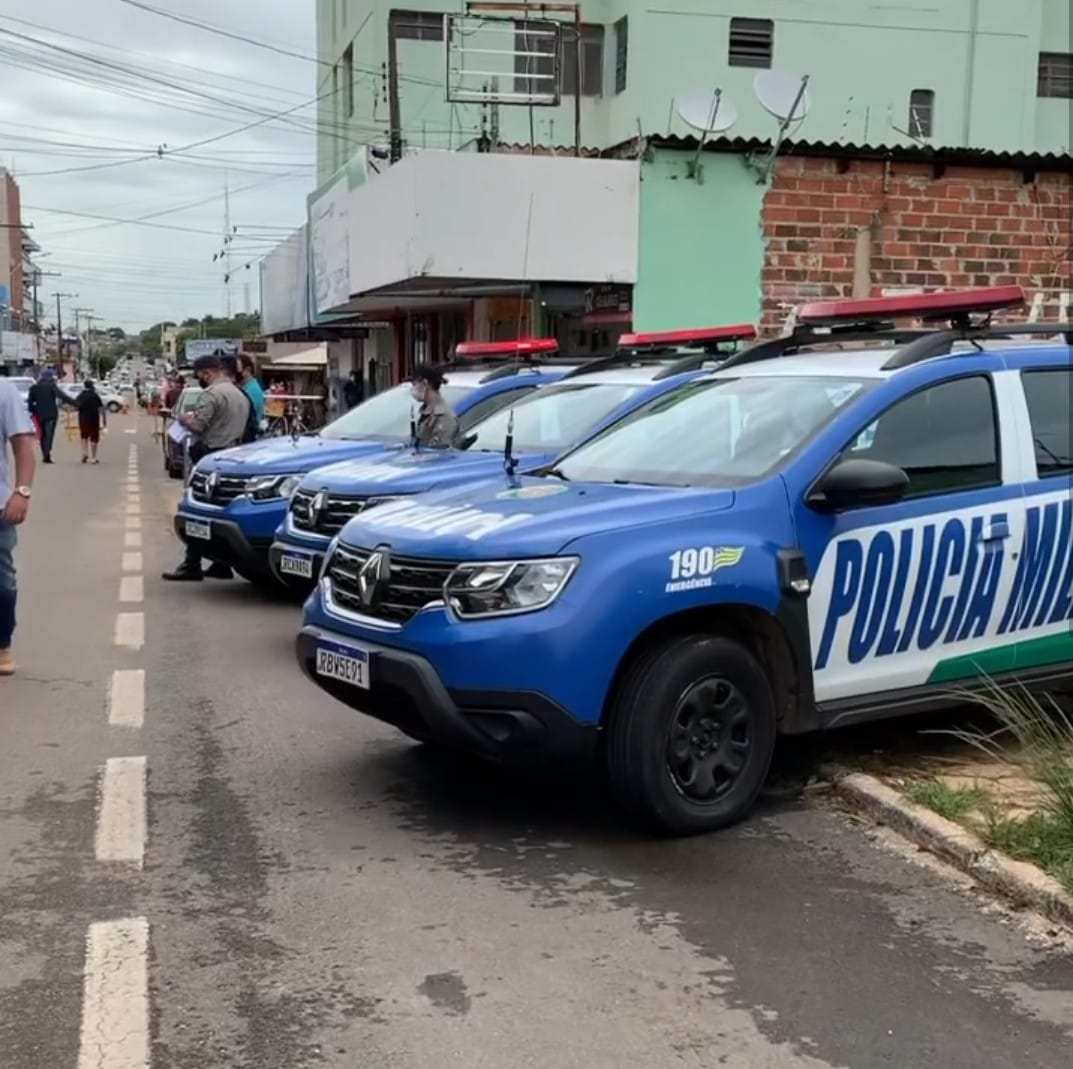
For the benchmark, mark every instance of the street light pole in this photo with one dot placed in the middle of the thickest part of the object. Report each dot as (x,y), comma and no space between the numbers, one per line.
(79,313)
(59,325)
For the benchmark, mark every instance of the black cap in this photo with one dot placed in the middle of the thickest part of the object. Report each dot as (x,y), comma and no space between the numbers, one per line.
(207,363)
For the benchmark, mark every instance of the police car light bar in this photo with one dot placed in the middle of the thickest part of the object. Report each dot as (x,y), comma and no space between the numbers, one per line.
(517,347)
(950,305)
(695,336)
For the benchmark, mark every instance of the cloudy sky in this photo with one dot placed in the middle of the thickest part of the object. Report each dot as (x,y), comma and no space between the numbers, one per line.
(89,88)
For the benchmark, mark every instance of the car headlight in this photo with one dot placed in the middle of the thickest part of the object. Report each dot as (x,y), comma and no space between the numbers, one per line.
(272,487)
(502,587)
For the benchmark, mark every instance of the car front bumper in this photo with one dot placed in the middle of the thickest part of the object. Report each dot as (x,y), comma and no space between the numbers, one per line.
(227,544)
(406,692)
(297,583)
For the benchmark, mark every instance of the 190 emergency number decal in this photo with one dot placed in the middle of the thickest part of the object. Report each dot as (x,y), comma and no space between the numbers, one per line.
(694,568)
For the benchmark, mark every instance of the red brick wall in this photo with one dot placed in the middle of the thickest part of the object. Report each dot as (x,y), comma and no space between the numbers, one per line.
(971,226)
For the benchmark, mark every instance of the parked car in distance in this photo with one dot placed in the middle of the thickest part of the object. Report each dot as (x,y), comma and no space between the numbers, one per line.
(176,438)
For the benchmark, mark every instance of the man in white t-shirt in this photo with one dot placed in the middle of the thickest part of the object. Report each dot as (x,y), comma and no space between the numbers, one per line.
(17,431)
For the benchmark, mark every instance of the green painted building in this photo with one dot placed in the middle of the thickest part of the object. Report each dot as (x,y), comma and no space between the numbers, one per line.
(954,76)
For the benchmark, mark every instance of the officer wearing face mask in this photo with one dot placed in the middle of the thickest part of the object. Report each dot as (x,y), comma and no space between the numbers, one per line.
(437,425)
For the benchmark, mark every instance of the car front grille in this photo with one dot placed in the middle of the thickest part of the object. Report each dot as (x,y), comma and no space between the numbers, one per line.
(332,515)
(414,582)
(223,492)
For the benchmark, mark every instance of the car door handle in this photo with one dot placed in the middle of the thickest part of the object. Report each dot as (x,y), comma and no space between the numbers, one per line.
(995,531)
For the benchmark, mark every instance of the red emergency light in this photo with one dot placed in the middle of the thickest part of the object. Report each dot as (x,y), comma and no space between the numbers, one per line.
(516,347)
(947,304)
(693,336)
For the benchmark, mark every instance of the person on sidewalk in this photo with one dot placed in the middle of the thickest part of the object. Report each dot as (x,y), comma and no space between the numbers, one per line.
(353,391)
(247,380)
(217,422)
(44,402)
(16,429)
(91,418)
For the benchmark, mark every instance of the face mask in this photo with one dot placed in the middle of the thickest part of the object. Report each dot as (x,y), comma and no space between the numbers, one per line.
(418,391)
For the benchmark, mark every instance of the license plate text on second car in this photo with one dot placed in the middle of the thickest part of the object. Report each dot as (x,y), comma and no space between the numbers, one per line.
(295,564)
(198,530)
(345,663)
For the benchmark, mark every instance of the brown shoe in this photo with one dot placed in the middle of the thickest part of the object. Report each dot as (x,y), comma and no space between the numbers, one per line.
(7,663)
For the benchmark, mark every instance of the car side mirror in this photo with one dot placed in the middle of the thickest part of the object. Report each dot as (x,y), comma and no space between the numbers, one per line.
(467,440)
(858,484)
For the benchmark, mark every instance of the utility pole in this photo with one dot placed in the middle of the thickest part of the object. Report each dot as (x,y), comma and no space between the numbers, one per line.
(89,342)
(79,312)
(227,246)
(59,325)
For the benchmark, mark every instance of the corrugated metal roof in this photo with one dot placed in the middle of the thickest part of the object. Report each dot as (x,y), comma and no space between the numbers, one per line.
(952,154)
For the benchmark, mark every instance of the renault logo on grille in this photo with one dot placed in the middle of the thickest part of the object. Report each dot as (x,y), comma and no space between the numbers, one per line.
(373,577)
(210,484)
(316,507)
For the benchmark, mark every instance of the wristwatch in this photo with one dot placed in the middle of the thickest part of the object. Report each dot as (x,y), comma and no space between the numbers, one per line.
(23,491)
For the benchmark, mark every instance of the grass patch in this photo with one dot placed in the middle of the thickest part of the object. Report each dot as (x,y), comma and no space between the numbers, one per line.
(1035,735)
(948,801)
(1039,838)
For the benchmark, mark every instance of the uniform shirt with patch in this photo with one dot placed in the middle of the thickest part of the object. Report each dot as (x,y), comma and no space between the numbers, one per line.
(219,417)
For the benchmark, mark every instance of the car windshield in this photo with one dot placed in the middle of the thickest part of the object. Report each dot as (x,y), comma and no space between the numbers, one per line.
(554,417)
(711,432)
(386,417)
(188,399)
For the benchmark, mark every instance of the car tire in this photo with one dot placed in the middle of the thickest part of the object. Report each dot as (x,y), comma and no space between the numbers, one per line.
(114,407)
(690,735)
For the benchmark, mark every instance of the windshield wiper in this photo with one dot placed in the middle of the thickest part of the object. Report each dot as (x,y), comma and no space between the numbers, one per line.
(556,473)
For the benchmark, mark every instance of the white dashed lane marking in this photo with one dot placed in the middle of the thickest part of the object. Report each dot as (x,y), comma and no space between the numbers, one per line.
(130,630)
(115,996)
(133,523)
(131,589)
(132,540)
(132,562)
(126,698)
(121,822)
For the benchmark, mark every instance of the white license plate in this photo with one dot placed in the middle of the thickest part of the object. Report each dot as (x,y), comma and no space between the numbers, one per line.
(296,564)
(199,530)
(345,663)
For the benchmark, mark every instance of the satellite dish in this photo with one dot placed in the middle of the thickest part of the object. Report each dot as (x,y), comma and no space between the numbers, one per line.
(783,95)
(709,110)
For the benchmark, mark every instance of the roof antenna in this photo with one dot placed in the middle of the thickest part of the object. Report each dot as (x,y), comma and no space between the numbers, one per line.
(510,463)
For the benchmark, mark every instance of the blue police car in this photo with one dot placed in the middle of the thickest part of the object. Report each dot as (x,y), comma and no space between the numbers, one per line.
(235,499)
(851,522)
(522,437)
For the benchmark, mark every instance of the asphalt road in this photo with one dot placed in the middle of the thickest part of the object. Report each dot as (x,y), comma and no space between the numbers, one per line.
(318,891)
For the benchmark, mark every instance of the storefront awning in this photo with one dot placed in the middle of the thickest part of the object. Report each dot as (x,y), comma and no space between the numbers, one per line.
(438,224)
(304,359)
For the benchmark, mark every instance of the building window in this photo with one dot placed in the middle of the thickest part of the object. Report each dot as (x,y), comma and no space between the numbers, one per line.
(921,113)
(592,61)
(1055,75)
(348,81)
(418,25)
(752,42)
(622,28)
(535,65)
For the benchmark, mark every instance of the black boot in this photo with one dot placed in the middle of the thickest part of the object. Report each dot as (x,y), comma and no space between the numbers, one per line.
(183,574)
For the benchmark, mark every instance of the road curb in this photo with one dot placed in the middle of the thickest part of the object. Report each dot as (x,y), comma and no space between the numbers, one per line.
(1022,883)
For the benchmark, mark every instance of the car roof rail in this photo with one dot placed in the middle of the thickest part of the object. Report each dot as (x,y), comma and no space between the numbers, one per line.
(942,342)
(872,319)
(667,347)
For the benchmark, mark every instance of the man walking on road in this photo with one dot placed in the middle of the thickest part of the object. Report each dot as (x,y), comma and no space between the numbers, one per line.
(44,401)
(16,429)
(217,422)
